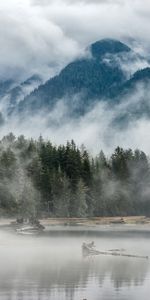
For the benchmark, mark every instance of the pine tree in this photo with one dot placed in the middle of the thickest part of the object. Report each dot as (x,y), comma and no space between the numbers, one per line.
(61,197)
(78,201)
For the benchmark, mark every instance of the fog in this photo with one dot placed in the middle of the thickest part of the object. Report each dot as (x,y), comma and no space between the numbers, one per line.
(53,33)
(41,37)
(52,266)
(104,126)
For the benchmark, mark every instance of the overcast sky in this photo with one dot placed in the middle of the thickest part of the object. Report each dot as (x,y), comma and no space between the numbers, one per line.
(41,36)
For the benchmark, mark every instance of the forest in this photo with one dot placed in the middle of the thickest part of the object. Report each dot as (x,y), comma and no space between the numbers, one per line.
(39,179)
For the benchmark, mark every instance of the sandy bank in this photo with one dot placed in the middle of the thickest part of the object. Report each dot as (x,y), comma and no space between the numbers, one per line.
(86,221)
(96,221)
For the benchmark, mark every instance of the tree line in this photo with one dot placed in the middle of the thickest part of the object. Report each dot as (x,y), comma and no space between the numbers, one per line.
(39,179)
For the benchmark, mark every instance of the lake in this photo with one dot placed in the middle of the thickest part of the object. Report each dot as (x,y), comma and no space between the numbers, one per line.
(52,267)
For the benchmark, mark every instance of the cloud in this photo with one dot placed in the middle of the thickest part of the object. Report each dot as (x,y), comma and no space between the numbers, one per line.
(103,127)
(129,62)
(31,42)
(42,36)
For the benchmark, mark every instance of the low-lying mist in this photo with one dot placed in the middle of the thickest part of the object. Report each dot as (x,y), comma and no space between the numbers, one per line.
(105,125)
(53,267)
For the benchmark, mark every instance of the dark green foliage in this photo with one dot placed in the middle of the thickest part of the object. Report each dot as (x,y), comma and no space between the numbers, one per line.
(37,178)
(119,164)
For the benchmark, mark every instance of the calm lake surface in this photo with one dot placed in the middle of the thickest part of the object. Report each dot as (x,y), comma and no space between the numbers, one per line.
(52,267)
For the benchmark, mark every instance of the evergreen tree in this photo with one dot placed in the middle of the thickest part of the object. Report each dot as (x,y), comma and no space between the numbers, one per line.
(61,197)
(78,206)
(37,177)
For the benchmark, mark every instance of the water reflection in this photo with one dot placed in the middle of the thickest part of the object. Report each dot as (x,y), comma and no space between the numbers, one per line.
(52,267)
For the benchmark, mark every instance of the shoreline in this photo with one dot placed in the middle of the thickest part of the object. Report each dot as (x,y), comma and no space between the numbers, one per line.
(130,220)
(96,221)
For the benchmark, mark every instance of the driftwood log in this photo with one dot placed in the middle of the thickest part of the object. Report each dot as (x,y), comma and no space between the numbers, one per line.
(115,252)
(122,254)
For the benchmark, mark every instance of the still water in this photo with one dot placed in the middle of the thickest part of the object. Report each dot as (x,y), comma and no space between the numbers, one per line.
(51,266)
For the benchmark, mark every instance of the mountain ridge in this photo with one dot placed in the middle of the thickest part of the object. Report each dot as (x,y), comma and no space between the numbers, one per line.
(91,79)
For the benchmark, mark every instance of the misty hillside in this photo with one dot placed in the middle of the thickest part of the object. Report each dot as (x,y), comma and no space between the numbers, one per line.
(139,77)
(12,92)
(99,76)
(106,73)
(5,87)
(91,78)
(19,92)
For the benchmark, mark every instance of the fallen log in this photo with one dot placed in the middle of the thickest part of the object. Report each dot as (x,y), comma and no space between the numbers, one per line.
(87,250)
(121,254)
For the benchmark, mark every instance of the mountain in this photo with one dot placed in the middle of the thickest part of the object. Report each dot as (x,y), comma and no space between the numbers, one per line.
(12,93)
(91,78)
(107,46)
(139,77)
(5,87)
(22,90)
(133,96)
(101,75)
